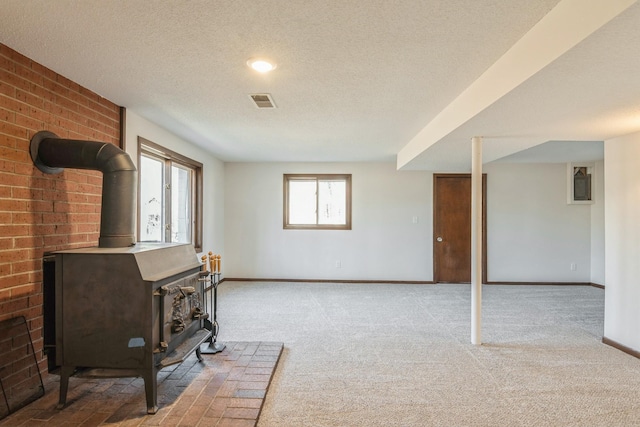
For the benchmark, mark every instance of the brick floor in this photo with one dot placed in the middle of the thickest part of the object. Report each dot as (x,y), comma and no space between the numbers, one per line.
(227,389)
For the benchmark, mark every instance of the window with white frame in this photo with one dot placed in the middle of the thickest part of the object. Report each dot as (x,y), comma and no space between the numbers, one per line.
(169,196)
(317,201)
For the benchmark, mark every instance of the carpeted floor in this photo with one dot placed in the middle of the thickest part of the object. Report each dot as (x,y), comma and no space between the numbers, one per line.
(400,355)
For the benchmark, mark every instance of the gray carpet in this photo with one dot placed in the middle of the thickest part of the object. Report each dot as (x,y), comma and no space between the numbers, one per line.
(400,355)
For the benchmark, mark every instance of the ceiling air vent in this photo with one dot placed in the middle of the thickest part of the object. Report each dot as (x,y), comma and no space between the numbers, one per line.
(263,100)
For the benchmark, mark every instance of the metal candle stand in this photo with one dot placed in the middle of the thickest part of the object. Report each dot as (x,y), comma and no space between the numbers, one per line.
(212,347)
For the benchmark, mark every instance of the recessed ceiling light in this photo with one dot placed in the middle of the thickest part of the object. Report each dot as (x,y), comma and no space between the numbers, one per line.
(261,65)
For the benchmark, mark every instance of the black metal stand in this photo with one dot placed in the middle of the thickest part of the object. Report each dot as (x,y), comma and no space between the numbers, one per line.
(212,347)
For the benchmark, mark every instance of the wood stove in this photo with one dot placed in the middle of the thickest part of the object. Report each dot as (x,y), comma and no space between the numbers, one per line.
(123,312)
(121,309)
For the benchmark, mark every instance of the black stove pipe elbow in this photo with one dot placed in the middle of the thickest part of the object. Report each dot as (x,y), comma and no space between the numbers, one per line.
(51,154)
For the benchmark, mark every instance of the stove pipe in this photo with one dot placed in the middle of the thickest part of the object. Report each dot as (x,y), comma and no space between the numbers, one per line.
(51,154)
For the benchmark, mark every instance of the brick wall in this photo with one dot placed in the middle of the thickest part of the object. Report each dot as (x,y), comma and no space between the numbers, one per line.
(41,212)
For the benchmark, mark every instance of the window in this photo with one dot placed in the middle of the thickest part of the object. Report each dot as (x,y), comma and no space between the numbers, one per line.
(317,202)
(169,196)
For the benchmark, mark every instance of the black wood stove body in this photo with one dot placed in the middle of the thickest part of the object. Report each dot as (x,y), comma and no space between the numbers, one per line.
(125,312)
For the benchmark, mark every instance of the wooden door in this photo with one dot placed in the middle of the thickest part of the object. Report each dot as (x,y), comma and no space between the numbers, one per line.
(452,228)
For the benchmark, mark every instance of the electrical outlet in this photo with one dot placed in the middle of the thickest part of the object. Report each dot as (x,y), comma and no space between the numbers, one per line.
(414,219)
(338,264)
(573,266)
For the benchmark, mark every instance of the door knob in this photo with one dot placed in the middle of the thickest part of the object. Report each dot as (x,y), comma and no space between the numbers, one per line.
(439,239)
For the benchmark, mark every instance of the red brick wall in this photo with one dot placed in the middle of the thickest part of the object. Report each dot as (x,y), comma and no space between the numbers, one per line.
(42,212)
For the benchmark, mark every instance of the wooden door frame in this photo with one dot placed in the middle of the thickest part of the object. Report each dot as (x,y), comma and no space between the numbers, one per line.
(484,222)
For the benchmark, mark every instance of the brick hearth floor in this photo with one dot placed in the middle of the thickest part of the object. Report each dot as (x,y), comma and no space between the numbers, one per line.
(227,389)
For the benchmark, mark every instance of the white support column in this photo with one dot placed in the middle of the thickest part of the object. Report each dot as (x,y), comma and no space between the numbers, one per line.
(476,240)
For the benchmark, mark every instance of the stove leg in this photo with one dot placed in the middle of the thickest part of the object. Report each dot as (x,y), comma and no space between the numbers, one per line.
(199,354)
(151,390)
(65,373)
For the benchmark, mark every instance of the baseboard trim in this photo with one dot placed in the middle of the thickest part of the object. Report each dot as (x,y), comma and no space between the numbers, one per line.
(621,347)
(397,282)
(405,282)
(595,285)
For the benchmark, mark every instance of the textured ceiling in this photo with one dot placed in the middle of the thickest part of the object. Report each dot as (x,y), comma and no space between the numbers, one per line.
(591,93)
(356,81)
(558,152)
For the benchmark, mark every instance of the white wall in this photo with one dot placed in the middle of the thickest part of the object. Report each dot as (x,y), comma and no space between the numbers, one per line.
(533,235)
(597,226)
(622,241)
(384,243)
(213,175)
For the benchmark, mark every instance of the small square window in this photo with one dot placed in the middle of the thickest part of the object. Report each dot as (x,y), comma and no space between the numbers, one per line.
(317,202)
